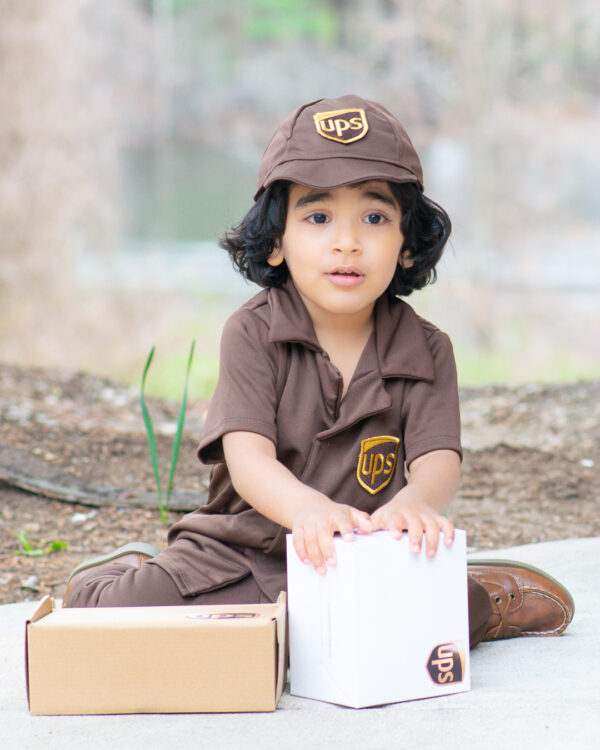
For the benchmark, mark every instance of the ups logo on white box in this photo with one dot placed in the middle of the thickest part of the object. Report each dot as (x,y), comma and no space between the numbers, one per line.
(342,125)
(446,664)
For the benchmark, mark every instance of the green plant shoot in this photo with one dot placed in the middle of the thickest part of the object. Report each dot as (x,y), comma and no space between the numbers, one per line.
(28,550)
(164,500)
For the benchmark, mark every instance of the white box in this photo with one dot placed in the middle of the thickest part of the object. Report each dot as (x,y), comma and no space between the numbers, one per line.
(383,625)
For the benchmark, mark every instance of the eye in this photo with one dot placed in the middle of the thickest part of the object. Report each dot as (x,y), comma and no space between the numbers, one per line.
(318,218)
(375,218)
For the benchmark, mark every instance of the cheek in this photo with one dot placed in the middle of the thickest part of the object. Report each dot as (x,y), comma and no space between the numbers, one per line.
(301,251)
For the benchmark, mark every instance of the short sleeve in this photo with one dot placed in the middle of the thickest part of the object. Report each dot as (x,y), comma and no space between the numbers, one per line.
(431,416)
(245,397)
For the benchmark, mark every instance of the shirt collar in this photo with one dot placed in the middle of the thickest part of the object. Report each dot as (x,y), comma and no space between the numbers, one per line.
(400,342)
(401,345)
(290,321)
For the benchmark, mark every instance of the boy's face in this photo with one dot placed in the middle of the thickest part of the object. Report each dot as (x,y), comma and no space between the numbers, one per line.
(341,246)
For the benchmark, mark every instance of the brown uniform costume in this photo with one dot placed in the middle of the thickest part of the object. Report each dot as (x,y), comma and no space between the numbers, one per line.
(276,380)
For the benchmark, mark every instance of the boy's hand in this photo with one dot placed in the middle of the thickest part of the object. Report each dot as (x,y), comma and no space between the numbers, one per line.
(432,482)
(417,518)
(314,527)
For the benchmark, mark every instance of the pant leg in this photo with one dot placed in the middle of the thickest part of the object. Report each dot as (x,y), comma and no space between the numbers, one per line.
(121,585)
(480,610)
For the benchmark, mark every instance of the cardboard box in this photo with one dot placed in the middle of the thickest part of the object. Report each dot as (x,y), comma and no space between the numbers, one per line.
(383,625)
(188,659)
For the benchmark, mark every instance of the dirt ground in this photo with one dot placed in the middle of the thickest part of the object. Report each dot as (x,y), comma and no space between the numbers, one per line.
(530,470)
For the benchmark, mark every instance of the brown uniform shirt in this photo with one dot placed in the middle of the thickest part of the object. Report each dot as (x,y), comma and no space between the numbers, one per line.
(276,380)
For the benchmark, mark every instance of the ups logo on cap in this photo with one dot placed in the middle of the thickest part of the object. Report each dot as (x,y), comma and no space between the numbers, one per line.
(342,125)
(446,664)
(376,462)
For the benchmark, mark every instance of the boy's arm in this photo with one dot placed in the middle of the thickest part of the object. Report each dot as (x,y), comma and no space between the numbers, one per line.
(432,483)
(266,484)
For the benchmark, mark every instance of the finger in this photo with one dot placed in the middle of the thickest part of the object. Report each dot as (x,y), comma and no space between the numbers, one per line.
(415,532)
(432,535)
(397,526)
(300,545)
(361,521)
(314,551)
(396,523)
(377,522)
(448,529)
(346,528)
(326,545)
(382,520)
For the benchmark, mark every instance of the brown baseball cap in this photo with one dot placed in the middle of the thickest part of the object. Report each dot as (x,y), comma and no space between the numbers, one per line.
(333,142)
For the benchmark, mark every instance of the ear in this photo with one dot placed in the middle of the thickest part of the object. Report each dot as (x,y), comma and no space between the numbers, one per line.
(405,259)
(276,257)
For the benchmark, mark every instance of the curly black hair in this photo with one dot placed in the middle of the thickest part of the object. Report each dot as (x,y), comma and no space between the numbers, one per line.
(424,224)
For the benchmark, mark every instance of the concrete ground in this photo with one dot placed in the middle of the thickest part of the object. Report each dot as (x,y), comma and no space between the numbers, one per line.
(526,693)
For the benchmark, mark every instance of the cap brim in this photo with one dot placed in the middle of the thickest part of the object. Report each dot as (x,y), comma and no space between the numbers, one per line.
(336,172)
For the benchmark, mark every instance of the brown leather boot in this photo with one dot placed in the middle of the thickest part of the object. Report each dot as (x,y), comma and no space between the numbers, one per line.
(525,600)
(132,554)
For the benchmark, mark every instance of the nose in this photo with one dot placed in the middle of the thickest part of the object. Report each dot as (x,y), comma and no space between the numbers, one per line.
(346,239)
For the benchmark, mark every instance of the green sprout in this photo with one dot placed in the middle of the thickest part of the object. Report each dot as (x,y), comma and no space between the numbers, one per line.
(164,501)
(28,550)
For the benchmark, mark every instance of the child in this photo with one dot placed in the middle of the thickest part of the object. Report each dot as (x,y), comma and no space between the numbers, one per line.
(329,386)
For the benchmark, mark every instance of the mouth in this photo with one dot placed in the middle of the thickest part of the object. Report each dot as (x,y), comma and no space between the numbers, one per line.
(345,276)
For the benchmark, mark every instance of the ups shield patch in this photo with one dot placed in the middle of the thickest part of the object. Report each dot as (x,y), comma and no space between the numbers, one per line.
(377,462)
(342,125)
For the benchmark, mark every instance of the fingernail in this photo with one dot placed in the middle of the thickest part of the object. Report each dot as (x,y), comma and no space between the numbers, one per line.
(416,548)
(331,561)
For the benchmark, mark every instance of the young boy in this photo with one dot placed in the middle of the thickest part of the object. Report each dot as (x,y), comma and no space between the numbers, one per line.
(329,387)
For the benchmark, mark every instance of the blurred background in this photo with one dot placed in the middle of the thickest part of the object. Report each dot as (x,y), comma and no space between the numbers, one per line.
(130,136)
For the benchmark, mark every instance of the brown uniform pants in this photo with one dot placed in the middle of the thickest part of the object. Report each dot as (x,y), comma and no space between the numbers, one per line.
(121,585)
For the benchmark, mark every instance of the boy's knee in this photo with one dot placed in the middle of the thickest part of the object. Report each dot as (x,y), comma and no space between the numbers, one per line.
(84,588)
